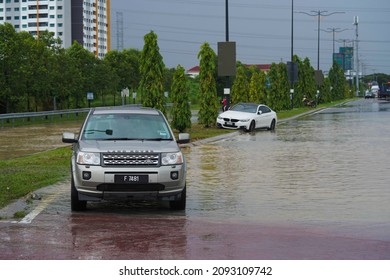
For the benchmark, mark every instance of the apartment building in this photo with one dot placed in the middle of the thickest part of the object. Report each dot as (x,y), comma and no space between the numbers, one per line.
(86,21)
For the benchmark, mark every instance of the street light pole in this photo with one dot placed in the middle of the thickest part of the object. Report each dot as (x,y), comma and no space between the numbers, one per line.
(334,30)
(356,54)
(319,14)
(227,19)
(292,67)
(292,30)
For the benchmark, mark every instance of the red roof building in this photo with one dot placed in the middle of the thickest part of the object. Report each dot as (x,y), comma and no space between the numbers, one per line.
(263,67)
(193,72)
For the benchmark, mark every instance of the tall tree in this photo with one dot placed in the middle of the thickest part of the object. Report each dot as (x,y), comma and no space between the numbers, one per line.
(279,92)
(152,74)
(181,111)
(240,88)
(337,81)
(306,85)
(10,54)
(85,63)
(325,91)
(208,111)
(104,80)
(126,65)
(42,85)
(257,86)
(263,87)
(65,75)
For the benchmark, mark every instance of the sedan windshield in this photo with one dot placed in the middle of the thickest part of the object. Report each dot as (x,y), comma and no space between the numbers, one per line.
(247,108)
(126,127)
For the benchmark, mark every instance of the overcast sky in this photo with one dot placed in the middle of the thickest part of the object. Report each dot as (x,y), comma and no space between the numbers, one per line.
(260,28)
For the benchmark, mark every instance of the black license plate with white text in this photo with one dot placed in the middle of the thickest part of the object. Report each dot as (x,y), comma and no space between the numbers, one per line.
(131,179)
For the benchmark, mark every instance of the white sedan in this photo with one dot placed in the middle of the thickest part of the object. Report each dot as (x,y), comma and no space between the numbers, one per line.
(248,116)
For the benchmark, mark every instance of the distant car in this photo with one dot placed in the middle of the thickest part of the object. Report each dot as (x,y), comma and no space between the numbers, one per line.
(248,116)
(125,153)
(369,94)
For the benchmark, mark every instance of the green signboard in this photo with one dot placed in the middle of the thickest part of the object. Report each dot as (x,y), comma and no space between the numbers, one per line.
(347,56)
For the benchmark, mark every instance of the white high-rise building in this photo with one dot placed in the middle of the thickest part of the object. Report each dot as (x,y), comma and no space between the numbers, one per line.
(86,21)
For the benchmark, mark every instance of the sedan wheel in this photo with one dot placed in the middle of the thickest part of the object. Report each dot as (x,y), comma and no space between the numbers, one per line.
(272,126)
(252,126)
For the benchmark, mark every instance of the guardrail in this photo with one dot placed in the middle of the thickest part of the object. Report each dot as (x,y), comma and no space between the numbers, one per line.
(28,116)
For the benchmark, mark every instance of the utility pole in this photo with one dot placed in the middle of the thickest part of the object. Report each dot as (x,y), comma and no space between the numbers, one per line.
(356,54)
(319,14)
(334,30)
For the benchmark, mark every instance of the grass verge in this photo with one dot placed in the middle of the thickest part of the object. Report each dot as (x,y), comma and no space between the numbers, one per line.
(21,176)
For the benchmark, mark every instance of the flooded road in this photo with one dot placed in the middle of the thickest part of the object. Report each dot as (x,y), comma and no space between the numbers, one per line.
(327,168)
(26,140)
(316,188)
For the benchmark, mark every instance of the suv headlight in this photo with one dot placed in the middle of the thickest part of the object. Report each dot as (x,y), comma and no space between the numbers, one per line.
(88,158)
(171,158)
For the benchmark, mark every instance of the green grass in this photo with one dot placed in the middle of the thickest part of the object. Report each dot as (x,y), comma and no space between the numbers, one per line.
(21,176)
(297,111)
(198,132)
(20,214)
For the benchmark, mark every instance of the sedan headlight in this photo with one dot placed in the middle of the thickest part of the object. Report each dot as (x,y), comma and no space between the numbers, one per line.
(244,120)
(88,158)
(219,118)
(171,158)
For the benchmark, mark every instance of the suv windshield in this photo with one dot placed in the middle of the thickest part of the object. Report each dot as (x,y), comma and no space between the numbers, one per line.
(126,127)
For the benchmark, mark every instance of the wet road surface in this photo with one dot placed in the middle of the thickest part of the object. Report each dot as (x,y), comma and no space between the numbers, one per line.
(126,235)
(317,188)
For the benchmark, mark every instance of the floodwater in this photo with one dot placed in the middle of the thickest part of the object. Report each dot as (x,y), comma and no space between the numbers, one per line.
(326,169)
(30,139)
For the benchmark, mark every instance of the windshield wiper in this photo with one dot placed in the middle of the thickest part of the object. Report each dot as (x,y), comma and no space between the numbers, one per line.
(92,131)
(134,139)
(158,139)
(120,139)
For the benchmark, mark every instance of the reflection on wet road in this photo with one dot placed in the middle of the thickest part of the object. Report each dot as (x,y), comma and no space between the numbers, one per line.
(316,188)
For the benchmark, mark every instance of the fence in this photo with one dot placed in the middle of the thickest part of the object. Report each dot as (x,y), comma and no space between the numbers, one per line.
(32,117)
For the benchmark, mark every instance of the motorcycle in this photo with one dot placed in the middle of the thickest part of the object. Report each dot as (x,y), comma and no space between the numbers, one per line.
(310,103)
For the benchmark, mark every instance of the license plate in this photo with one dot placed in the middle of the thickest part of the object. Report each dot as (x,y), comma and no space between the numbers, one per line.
(229,124)
(131,179)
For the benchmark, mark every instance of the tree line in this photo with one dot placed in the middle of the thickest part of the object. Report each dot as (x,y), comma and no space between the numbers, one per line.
(38,74)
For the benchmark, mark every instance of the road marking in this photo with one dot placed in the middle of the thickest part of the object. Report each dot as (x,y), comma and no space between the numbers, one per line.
(42,206)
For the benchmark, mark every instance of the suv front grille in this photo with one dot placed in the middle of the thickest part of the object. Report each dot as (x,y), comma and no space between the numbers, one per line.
(131,159)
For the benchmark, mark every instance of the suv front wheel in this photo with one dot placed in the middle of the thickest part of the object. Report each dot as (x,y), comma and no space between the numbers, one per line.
(76,204)
(181,203)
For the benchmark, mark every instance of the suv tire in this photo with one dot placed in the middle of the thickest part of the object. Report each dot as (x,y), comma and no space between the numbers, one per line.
(181,203)
(76,204)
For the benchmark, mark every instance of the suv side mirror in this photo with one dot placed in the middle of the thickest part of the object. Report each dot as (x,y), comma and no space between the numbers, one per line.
(68,137)
(183,138)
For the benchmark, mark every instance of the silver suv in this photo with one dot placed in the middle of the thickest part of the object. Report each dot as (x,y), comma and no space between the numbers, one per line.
(126,153)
